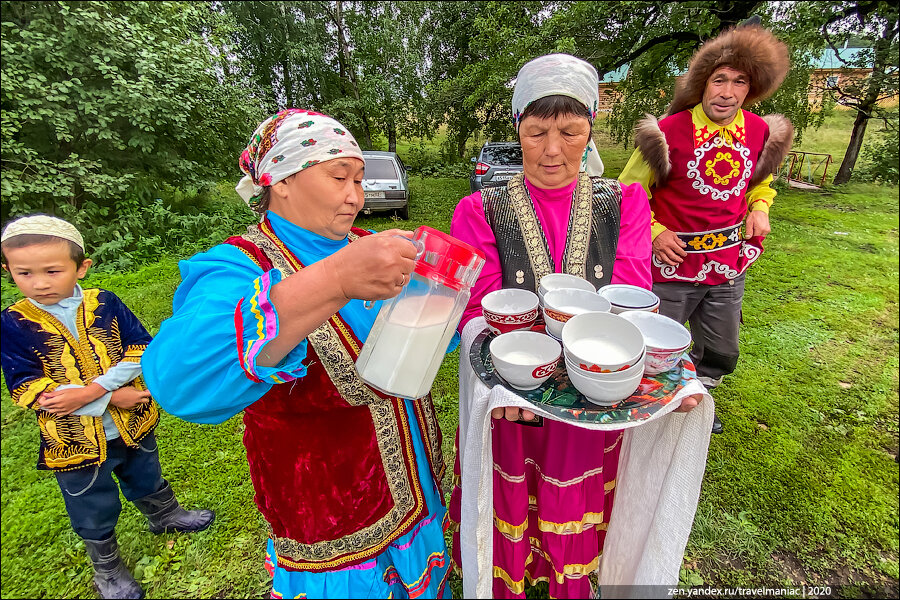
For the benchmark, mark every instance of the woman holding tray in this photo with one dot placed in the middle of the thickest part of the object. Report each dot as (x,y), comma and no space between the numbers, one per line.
(553,485)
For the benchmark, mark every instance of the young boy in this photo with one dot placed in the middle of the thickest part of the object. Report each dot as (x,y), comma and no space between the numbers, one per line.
(74,357)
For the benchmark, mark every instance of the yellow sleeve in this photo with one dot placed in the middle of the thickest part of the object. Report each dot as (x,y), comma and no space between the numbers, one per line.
(762,196)
(638,171)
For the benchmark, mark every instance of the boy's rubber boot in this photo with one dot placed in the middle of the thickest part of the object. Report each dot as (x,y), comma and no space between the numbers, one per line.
(165,514)
(111,577)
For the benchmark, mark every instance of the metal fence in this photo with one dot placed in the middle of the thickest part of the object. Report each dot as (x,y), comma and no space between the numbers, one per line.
(810,168)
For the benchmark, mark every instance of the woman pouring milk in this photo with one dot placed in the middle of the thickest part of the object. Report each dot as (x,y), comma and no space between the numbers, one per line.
(271,323)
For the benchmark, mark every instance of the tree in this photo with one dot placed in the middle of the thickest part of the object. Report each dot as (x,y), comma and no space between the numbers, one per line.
(359,62)
(475,50)
(288,53)
(102,100)
(654,39)
(389,60)
(877,24)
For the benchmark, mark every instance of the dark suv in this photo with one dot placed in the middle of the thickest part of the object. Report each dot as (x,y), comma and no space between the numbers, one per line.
(496,164)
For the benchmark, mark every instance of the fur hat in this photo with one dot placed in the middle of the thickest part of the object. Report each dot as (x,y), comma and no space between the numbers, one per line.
(748,48)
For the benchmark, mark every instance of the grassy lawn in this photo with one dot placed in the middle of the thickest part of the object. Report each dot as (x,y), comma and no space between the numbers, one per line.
(800,489)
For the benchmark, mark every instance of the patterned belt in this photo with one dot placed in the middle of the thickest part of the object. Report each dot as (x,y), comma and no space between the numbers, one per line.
(708,241)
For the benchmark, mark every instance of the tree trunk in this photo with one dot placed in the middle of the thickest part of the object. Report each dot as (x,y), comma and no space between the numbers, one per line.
(345,65)
(392,135)
(856,140)
(367,132)
(869,103)
(342,45)
(461,145)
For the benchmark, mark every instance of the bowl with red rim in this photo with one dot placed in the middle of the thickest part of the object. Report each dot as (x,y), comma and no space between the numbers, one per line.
(510,309)
(604,392)
(602,342)
(665,339)
(624,297)
(562,304)
(594,372)
(525,359)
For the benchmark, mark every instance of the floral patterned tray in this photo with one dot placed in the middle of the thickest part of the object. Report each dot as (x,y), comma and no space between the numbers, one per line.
(559,397)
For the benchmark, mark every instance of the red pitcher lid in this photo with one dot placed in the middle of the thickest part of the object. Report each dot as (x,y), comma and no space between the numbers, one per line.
(447,260)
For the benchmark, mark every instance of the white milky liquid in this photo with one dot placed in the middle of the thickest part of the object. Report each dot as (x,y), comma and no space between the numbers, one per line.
(406,352)
(604,350)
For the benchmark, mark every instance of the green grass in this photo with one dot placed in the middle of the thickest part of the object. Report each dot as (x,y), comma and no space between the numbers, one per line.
(803,483)
(801,487)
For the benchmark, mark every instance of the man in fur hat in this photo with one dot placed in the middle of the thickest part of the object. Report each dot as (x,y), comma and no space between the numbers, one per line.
(707,168)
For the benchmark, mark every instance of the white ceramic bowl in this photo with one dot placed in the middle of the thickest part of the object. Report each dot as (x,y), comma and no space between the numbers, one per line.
(660,362)
(525,359)
(605,392)
(509,309)
(624,297)
(602,341)
(562,304)
(637,367)
(665,339)
(559,281)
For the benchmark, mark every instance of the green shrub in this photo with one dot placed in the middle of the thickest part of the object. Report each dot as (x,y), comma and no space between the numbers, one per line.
(446,170)
(881,159)
(145,234)
(420,157)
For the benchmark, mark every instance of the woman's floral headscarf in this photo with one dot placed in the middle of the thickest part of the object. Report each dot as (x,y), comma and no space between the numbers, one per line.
(287,143)
(560,75)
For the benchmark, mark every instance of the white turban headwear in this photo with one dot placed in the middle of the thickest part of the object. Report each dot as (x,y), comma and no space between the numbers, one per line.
(560,75)
(287,143)
(43,225)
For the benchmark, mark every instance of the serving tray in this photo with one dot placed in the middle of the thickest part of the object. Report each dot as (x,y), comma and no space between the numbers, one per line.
(559,397)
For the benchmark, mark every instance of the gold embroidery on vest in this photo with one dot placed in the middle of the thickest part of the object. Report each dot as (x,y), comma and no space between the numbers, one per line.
(722,179)
(80,362)
(580,230)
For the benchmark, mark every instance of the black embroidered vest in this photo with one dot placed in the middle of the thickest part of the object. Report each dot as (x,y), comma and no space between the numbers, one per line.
(593,232)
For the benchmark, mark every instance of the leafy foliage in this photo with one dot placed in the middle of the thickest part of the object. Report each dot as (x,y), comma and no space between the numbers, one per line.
(360,62)
(108,101)
(475,50)
(882,158)
(875,25)
(147,232)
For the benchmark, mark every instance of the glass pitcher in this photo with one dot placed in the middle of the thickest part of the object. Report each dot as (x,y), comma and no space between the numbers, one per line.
(407,343)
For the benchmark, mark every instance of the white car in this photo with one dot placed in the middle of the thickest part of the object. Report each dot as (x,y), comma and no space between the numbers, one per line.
(386,184)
